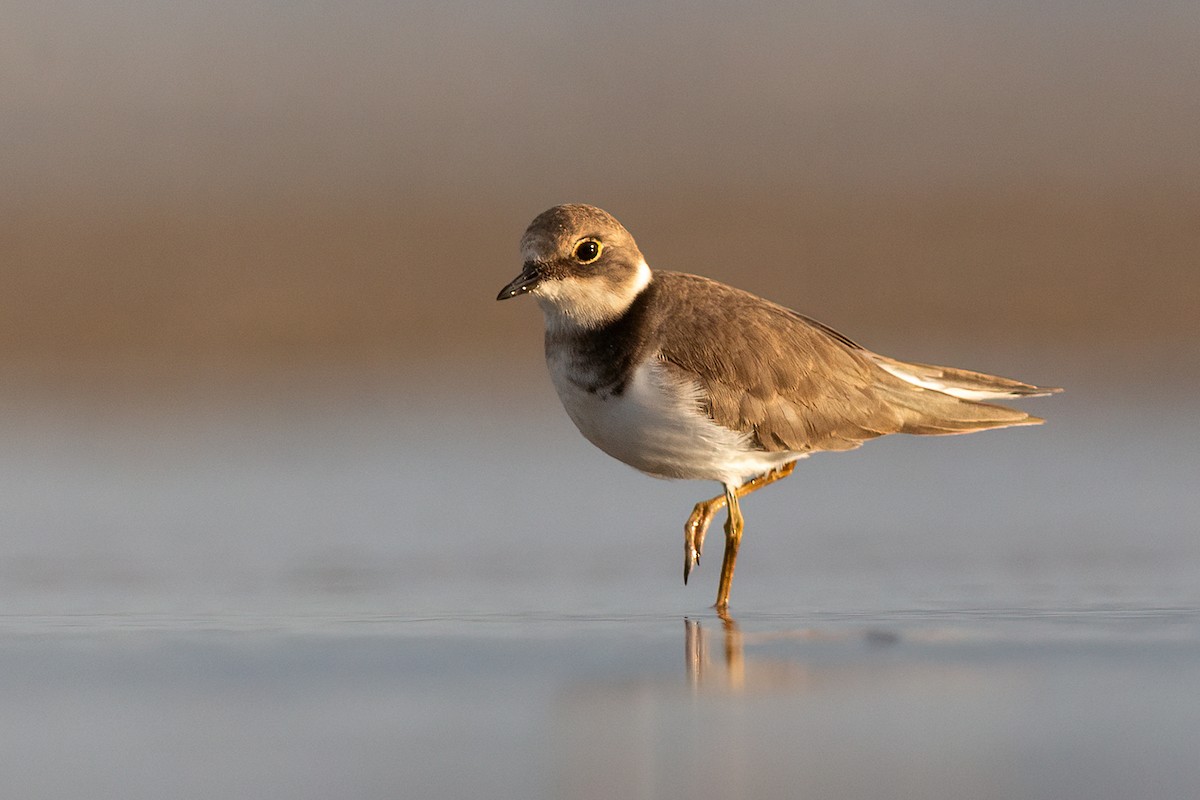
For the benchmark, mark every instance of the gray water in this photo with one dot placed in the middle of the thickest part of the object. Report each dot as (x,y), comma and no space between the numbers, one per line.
(322,590)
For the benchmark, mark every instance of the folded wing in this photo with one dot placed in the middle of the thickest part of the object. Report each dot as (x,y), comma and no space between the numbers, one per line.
(793,384)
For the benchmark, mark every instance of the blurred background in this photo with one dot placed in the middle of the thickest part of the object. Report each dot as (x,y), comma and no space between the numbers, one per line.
(288,506)
(250,249)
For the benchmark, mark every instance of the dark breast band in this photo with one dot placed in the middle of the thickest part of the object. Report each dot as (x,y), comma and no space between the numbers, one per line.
(608,355)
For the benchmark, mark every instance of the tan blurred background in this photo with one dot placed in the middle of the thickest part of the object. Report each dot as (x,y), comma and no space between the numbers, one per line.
(221,187)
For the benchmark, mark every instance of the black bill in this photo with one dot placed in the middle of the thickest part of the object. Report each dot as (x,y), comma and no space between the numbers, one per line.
(527,280)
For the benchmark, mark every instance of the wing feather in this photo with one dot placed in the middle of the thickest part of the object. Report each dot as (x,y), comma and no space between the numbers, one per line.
(769,372)
(793,384)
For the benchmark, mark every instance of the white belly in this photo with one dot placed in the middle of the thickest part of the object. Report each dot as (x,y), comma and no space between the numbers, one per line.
(658,427)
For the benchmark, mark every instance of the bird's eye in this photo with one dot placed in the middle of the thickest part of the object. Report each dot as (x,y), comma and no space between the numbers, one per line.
(587,250)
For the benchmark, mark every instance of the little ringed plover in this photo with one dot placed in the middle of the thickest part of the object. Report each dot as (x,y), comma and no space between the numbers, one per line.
(680,376)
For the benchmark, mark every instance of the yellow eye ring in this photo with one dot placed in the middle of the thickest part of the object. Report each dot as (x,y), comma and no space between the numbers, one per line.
(588,250)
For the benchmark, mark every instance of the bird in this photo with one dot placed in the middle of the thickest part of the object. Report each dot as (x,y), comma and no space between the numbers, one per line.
(680,376)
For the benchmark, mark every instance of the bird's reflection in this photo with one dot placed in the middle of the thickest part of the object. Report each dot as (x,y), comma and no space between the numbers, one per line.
(700,668)
(718,661)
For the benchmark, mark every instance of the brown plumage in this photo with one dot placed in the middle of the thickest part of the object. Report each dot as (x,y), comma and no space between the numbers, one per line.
(794,384)
(684,377)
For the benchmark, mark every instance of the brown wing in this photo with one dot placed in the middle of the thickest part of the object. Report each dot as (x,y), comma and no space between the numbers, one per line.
(794,384)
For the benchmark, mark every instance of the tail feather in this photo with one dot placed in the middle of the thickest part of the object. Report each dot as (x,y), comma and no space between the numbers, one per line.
(934,413)
(964,384)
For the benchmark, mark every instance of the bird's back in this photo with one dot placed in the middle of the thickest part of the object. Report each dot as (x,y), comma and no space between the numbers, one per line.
(794,384)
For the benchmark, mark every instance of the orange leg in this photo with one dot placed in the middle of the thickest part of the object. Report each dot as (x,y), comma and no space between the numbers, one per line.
(702,515)
(733,539)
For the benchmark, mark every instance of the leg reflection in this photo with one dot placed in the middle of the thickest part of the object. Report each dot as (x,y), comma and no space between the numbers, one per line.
(700,669)
(778,658)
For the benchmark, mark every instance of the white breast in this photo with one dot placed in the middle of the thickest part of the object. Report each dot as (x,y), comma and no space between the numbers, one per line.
(657,425)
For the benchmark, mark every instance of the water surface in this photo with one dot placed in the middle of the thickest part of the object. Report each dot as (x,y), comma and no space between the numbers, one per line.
(377,593)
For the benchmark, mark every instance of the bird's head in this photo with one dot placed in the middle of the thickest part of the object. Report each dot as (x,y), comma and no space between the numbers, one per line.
(583,267)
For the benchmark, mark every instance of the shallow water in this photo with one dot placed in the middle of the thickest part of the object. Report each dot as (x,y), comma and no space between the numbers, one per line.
(375,593)
(1086,704)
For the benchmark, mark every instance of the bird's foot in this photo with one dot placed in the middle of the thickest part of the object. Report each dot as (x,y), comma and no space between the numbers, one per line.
(693,536)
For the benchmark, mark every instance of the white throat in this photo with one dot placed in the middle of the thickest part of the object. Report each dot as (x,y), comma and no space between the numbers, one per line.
(572,303)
